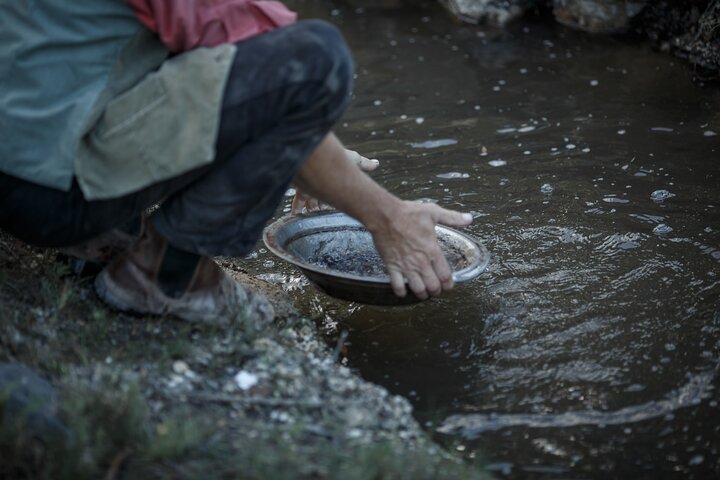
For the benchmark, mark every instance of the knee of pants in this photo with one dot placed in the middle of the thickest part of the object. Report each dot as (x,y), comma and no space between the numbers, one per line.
(320,41)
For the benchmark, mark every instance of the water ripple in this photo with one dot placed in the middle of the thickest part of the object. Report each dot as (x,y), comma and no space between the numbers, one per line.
(697,389)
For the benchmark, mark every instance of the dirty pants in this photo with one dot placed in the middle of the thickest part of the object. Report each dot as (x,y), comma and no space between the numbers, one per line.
(285,90)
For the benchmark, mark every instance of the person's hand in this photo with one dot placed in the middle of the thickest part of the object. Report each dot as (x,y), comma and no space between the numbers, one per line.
(305,203)
(409,247)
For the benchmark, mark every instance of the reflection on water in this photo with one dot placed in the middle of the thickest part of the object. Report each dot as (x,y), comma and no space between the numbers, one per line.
(590,347)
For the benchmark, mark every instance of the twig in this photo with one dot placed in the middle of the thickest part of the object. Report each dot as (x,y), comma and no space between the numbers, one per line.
(267,401)
(117,464)
(340,345)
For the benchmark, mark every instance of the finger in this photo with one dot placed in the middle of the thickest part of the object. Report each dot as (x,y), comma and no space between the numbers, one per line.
(368,164)
(452,218)
(431,281)
(416,284)
(397,282)
(365,164)
(442,270)
(312,204)
(297,203)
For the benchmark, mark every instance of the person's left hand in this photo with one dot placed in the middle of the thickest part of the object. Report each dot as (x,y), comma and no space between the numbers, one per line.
(303,203)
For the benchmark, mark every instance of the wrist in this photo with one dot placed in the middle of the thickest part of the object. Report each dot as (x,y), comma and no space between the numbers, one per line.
(385,210)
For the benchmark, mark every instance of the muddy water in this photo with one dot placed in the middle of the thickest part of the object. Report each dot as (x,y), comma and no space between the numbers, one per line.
(591,346)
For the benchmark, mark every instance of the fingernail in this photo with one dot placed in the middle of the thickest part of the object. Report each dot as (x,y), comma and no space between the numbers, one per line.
(467,217)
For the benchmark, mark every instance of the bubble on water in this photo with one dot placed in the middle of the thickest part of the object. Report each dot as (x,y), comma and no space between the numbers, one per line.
(670,347)
(709,133)
(662,229)
(377,103)
(586,150)
(268,264)
(335,12)
(571,146)
(527,152)
(290,192)
(497,163)
(450,175)
(403,117)
(496,88)
(660,196)
(506,130)
(594,83)
(615,200)
(419,120)
(523,71)
(483,151)
(441,142)
(696,460)
(635,387)
(547,189)
(529,128)
(621,132)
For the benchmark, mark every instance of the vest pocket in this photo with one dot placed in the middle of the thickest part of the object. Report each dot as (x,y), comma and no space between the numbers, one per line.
(132,109)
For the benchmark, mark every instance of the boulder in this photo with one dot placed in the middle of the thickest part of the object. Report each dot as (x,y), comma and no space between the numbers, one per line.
(491,12)
(597,16)
(28,405)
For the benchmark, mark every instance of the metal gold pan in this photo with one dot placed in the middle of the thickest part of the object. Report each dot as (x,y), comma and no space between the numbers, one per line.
(336,253)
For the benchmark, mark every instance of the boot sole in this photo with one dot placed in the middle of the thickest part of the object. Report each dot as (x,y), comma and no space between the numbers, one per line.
(108,290)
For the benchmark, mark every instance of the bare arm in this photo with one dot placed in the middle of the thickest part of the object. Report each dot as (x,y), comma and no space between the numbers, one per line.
(404,232)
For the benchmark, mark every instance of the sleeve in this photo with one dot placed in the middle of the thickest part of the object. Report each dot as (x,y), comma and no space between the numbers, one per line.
(186,24)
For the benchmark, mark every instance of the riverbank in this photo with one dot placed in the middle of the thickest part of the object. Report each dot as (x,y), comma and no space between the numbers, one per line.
(134,397)
(687,29)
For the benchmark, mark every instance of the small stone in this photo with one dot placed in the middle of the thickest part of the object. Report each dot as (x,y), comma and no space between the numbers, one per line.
(662,229)
(180,367)
(245,380)
(660,196)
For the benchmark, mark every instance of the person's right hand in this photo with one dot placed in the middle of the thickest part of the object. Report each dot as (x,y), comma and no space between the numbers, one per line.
(408,245)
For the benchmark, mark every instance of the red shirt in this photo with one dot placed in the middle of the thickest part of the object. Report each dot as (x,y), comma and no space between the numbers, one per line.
(186,24)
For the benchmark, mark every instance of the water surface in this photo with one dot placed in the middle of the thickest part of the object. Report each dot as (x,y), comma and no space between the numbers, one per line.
(590,348)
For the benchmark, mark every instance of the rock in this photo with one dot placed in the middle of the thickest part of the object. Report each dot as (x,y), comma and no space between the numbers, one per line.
(492,12)
(380,4)
(28,405)
(597,16)
(687,29)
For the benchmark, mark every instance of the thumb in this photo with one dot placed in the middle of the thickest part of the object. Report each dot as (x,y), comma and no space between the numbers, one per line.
(452,218)
(367,164)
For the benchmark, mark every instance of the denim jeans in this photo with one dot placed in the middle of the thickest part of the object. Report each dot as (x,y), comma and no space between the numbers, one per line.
(285,91)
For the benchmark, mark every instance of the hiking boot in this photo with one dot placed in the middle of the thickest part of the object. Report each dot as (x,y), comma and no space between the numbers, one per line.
(89,257)
(153,277)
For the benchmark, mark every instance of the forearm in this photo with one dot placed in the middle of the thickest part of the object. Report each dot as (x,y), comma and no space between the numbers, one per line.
(403,232)
(330,176)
